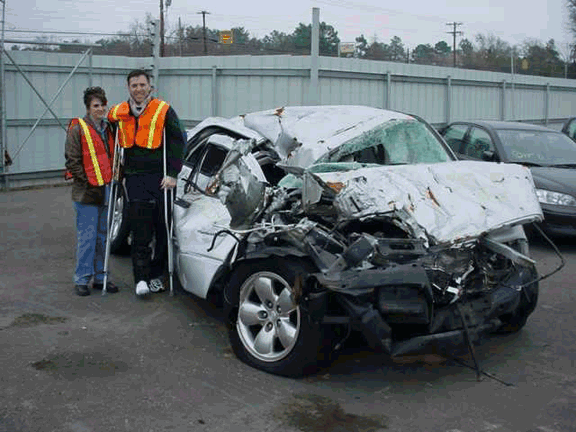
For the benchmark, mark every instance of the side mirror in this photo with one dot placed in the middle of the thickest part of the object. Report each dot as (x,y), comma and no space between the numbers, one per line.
(489,156)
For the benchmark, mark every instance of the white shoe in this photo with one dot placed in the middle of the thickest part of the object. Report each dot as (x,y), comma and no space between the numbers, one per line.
(156,285)
(142,289)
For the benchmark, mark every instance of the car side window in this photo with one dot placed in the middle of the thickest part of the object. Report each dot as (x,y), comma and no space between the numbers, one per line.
(454,137)
(210,162)
(478,143)
(571,132)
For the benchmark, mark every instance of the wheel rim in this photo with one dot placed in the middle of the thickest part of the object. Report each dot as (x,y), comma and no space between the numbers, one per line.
(268,318)
(117,218)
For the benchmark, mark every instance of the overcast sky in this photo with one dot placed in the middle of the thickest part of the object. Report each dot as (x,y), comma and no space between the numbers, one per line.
(415,21)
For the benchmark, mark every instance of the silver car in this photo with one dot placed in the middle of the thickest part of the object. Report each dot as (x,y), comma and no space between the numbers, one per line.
(311,224)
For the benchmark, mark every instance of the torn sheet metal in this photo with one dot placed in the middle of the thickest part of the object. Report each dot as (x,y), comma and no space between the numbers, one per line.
(451,201)
(235,124)
(302,134)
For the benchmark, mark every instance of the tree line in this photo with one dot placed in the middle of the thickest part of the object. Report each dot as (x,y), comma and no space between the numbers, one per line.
(484,52)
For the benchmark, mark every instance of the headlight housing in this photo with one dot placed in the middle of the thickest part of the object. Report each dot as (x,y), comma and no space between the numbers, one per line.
(555,198)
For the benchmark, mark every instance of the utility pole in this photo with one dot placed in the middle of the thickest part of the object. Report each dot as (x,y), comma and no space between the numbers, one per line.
(204,29)
(162,24)
(180,35)
(454,33)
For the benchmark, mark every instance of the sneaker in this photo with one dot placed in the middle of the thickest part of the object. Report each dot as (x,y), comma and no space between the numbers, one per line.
(156,285)
(142,289)
(110,287)
(82,290)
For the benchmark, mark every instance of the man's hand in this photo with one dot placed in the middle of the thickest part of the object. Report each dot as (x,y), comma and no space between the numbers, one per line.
(168,183)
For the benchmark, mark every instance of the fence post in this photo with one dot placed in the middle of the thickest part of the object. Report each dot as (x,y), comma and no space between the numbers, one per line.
(314,57)
(388,89)
(512,102)
(90,79)
(448,98)
(214,106)
(503,102)
(547,105)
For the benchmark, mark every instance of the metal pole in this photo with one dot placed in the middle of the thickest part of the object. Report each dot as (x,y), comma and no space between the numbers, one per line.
(156,57)
(512,98)
(503,102)
(161,28)
(90,66)
(214,106)
(314,56)
(448,98)
(547,105)
(388,89)
(4,134)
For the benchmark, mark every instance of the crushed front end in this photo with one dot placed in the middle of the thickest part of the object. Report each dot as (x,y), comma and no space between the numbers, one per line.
(390,264)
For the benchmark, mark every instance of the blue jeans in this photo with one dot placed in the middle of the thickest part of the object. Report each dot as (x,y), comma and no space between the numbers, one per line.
(91,243)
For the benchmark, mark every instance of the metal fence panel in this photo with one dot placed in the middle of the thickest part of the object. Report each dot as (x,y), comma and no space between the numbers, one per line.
(198,87)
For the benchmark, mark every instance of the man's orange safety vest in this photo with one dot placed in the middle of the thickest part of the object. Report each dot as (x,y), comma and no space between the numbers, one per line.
(150,124)
(97,163)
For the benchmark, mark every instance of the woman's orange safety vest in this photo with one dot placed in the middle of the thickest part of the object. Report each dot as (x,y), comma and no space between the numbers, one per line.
(150,124)
(97,163)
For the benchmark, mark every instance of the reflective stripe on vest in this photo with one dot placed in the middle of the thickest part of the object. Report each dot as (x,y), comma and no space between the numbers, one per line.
(92,151)
(151,134)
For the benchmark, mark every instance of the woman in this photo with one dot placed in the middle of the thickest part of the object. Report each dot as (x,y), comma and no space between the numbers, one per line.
(89,156)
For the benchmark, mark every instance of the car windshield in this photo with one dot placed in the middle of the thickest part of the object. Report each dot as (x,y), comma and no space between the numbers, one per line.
(391,143)
(537,147)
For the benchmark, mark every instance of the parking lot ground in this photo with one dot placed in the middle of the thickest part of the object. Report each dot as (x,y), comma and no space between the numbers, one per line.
(114,363)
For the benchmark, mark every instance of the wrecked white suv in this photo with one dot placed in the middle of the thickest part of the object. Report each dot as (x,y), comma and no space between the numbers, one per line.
(310,222)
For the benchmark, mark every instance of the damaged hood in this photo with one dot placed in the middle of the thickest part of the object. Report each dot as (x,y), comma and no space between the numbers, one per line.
(448,202)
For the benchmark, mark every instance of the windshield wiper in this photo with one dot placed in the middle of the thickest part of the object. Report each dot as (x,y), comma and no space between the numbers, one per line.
(526,163)
(564,165)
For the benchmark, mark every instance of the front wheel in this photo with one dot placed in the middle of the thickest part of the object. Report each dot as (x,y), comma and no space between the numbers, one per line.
(515,321)
(270,329)
(120,227)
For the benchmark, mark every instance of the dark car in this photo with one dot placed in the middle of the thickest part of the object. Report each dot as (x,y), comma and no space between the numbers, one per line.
(550,155)
(570,128)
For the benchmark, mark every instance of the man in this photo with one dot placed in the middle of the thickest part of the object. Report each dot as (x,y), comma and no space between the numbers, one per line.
(143,122)
(88,153)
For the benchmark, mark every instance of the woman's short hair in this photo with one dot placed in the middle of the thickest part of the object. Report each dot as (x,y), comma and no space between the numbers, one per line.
(94,93)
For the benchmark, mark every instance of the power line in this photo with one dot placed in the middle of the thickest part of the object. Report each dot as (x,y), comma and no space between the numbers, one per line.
(68,32)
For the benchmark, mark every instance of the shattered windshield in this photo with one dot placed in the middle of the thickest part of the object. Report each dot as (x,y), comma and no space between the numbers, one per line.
(538,147)
(394,142)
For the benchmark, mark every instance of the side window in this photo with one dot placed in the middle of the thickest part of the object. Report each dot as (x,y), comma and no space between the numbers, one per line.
(211,161)
(454,137)
(572,129)
(478,143)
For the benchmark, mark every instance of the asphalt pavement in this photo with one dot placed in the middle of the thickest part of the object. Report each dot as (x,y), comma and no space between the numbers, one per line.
(116,363)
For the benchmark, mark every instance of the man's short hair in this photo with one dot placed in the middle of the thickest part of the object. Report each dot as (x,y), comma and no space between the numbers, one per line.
(137,73)
(94,93)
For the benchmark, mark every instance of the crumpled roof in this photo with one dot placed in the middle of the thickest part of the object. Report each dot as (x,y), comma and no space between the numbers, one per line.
(301,134)
(451,201)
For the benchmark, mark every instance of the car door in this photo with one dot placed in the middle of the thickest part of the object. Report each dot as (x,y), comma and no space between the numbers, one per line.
(454,135)
(200,216)
(479,145)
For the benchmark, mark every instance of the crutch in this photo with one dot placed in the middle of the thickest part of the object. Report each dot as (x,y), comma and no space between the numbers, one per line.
(169,225)
(114,187)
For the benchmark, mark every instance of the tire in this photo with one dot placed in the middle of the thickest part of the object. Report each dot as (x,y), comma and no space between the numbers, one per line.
(515,321)
(268,329)
(120,229)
